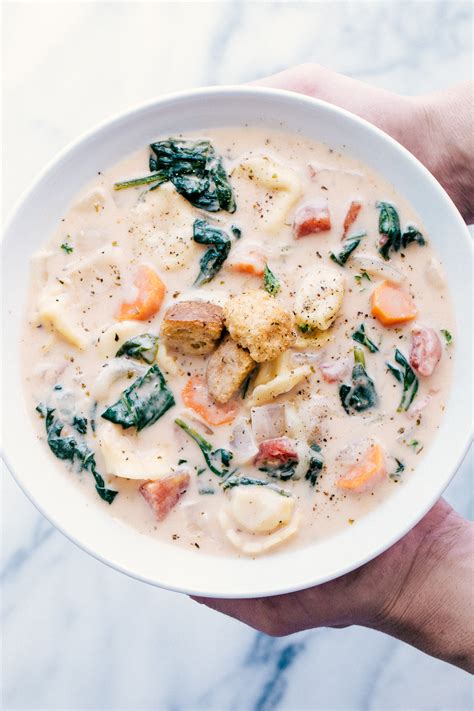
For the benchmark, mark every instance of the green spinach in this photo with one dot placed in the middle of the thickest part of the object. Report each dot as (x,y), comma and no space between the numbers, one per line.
(348,246)
(234,480)
(143,403)
(316,463)
(213,259)
(360,395)
(270,282)
(68,448)
(399,470)
(447,336)
(410,235)
(407,378)
(144,347)
(361,337)
(194,168)
(217,460)
(392,238)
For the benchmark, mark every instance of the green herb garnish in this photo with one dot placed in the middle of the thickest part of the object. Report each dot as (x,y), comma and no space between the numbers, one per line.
(67,248)
(270,282)
(447,336)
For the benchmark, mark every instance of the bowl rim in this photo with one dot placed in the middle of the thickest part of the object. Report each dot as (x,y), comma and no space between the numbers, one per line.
(295,98)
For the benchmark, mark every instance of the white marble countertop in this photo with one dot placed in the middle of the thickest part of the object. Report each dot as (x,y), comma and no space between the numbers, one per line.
(76,634)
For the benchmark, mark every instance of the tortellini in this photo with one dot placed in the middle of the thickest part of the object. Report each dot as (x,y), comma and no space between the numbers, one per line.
(122,456)
(115,336)
(277,377)
(163,229)
(275,181)
(319,299)
(54,311)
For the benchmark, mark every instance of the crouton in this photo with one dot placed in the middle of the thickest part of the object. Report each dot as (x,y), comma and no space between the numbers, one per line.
(257,322)
(227,369)
(193,327)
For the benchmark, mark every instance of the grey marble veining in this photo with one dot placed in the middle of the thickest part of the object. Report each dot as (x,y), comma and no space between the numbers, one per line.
(76,634)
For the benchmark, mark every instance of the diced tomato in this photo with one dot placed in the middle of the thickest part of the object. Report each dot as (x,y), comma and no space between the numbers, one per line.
(311,218)
(196,396)
(425,350)
(163,494)
(350,218)
(274,452)
(336,370)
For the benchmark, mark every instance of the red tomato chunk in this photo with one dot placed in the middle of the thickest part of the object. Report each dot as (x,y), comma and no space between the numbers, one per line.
(311,218)
(163,494)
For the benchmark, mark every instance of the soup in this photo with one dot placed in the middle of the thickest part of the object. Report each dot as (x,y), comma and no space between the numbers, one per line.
(238,342)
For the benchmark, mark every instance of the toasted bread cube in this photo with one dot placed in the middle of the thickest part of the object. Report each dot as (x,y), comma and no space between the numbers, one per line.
(193,327)
(257,322)
(227,369)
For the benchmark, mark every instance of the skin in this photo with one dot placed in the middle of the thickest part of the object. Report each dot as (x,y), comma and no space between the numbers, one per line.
(420,590)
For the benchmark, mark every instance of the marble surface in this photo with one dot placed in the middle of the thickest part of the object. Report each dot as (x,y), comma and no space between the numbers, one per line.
(76,634)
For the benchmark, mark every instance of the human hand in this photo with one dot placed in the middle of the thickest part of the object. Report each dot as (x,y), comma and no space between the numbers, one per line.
(436,128)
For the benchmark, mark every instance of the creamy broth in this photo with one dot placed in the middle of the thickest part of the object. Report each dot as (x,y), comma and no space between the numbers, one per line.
(87,270)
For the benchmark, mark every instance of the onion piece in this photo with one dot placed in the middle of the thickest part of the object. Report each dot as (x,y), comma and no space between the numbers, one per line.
(243,442)
(268,422)
(373,265)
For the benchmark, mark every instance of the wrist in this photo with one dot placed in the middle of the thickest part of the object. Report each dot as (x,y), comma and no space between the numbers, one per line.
(430,610)
(444,142)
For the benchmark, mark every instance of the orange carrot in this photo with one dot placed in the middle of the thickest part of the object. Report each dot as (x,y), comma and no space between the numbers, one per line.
(151,292)
(365,474)
(391,305)
(252,263)
(350,218)
(196,396)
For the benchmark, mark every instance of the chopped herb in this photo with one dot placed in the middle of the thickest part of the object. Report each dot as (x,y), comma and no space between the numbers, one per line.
(399,470)
(362,275)
(234,480)
(361,394)
(194,168)
(143,403)
(447,336)
(206,491)
(415,444)
(361,337)
(215,256)
(67,248)
(407,378)
(304,327)
(182,461)
(68,448)
(348,246)
(144,347)
(270,282)
(236,231)
(389,228)
(316,463)
(214,458)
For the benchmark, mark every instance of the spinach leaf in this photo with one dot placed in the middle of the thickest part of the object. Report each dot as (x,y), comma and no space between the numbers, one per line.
(80,424)
(399,470)
(283,471)
(214,458)
(236,231)
(389,228)
(215,256)
(410,235)
(194,168)
(143,403)
(234,480)
(407,378)
(316,463)
(68,448)
(270,282)
(391,237)
(348,246)
(144,347)
(361,337)
(361,394)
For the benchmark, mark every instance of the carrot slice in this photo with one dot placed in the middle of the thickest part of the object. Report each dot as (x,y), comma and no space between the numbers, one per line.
(365,474)
(196,396)
(151,292)
(391,305)
(252,263)
(350,218)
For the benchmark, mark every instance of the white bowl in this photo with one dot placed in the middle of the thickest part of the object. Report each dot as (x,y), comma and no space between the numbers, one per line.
(91,525)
